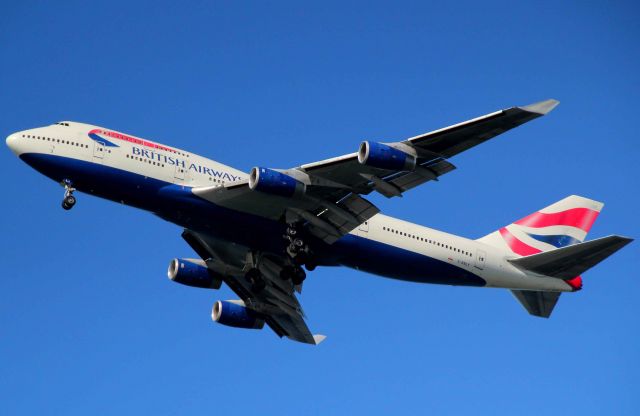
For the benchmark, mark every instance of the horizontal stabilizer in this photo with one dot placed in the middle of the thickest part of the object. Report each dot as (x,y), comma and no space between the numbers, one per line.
(571,261)
(537,303)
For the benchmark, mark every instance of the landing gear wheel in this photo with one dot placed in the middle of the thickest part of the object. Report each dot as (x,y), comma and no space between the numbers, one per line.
(301,258)
(254,277)
(310,265)
(298,277)
(259,285)
(287,272)
(69,200)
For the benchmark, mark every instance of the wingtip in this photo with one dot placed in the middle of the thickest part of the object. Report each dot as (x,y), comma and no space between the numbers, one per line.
(542,107)
(625,240)
(319,338)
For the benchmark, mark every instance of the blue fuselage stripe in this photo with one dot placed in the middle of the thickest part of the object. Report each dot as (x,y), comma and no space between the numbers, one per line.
(179,205)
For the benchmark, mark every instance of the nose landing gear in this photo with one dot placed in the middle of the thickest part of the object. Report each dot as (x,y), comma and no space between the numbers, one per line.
(69,200)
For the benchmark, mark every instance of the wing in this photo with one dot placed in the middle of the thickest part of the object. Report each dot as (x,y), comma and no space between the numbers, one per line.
(276,303)
(330,193)
(431,150)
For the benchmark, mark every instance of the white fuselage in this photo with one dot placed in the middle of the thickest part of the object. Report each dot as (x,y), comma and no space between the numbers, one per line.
(141,165)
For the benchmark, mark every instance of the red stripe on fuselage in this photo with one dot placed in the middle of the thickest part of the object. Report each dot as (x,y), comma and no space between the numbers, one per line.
(516,245)
(130,139)
(582,218)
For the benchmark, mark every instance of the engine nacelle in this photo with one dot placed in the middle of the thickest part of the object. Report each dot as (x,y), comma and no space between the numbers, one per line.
(192,272)
(381,156)
(273,182)
(234,313)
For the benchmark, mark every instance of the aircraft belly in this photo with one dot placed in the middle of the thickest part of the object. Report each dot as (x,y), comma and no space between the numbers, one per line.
(177,204)
(397,263)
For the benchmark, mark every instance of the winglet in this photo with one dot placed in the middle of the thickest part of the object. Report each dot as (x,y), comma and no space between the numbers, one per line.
(319,338)
(542,108)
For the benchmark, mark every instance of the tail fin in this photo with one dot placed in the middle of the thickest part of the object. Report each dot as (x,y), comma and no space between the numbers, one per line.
(549,242)
(561,224)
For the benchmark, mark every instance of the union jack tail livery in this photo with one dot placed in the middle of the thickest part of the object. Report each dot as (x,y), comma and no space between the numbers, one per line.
(550,244)
(561,224)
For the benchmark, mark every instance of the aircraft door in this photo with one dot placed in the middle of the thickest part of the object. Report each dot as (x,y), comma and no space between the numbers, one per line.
(481,257)
(98,150)
(364,227)
(179,172)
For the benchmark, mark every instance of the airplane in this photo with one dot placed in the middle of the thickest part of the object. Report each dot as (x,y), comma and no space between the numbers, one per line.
(258,232)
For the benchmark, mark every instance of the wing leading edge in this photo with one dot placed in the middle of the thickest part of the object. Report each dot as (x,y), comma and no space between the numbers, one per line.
(332,201)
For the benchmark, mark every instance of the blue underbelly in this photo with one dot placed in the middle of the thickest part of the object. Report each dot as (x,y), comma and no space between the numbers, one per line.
(179,205)
(174,203)
(397,263)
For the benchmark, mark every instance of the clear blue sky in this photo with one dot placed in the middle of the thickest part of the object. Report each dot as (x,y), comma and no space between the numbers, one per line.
(89,322)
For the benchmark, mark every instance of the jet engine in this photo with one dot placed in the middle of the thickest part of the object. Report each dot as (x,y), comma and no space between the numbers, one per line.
(234,313)
(381,156)
(192,272)
(273,182)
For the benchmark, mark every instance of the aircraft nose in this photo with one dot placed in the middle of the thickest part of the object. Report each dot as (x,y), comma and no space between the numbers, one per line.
(12,140)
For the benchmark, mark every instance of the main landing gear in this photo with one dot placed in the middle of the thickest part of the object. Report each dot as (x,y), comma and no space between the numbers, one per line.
(255,278)
(69,200)
(253,274)
(295,273)
(299,253)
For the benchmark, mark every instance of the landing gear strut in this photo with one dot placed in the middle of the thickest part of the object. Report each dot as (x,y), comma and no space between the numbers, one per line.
(69,200)
(297,249)
(300,254)
(253,274)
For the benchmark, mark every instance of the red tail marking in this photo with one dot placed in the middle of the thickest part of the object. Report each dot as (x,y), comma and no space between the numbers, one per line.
(516,245)
(582,218)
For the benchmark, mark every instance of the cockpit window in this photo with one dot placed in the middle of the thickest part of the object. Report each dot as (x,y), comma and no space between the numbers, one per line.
(62,123)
